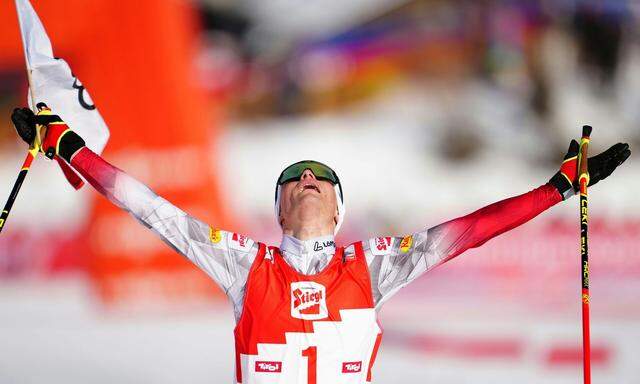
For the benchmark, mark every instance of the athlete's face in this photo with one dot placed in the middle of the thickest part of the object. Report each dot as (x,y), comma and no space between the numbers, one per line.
(308,201)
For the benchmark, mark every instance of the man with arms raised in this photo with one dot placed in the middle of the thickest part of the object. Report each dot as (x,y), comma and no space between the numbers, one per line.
(306,310)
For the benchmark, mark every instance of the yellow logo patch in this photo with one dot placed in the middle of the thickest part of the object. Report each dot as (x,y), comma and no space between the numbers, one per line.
(406,243)
(214,235)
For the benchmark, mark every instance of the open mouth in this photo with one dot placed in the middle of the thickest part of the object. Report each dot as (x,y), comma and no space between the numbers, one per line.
(310,186)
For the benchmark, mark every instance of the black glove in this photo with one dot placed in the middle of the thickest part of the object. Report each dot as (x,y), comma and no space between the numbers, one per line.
(600,167)
(25,122)
(58,139)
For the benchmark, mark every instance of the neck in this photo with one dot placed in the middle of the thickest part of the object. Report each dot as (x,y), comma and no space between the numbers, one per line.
(309,232)
(311,247)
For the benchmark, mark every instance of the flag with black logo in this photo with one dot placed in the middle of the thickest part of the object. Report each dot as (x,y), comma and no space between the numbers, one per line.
(52,82)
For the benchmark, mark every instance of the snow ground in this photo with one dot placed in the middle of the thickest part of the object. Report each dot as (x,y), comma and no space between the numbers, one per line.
(54,332)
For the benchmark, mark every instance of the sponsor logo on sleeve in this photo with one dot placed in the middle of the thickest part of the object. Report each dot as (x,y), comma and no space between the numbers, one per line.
(406,243)
(269,366)
(381,245)
(240,242)
(352,367)
(215,235)
(308,300)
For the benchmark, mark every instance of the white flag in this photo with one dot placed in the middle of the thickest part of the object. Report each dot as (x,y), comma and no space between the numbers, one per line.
(53,83)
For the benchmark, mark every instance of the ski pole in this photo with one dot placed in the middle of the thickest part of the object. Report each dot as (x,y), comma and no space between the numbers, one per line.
(583,179)
(33,152)
(26,165)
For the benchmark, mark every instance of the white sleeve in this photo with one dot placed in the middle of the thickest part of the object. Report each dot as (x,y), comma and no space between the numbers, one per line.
(395,262)
(224,256)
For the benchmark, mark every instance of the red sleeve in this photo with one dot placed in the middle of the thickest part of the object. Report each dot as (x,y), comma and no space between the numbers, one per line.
(470,231)
(99,173)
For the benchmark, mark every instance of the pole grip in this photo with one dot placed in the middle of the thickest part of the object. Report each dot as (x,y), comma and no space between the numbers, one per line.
(583,168)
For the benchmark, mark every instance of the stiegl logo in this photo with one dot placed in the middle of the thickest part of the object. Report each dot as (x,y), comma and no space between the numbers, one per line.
(268,366)
(308,300)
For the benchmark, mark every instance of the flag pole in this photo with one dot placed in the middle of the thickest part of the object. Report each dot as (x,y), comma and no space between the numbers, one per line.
(34,148)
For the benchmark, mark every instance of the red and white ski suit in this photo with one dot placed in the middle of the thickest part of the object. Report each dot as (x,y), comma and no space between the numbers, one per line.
(306,311)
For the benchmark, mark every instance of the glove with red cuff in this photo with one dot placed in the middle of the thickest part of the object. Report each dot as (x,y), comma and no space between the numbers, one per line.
(600,167)
(57,138)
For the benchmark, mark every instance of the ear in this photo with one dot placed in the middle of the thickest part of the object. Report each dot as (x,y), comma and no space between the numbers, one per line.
(336,217)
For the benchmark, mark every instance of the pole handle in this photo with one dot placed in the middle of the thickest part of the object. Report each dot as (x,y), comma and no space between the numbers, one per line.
(583,169)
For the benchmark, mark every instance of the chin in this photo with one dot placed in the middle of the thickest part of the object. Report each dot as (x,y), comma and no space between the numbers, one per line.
(310,201)
(308,212)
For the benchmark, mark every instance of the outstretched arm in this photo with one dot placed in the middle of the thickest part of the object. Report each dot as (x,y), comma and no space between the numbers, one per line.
(450,239)
(225,257)
(395,262)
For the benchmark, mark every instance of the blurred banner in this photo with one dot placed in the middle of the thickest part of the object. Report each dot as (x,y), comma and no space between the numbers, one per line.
(160,133)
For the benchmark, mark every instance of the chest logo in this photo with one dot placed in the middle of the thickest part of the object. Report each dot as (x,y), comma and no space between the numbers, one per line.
(308,300)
